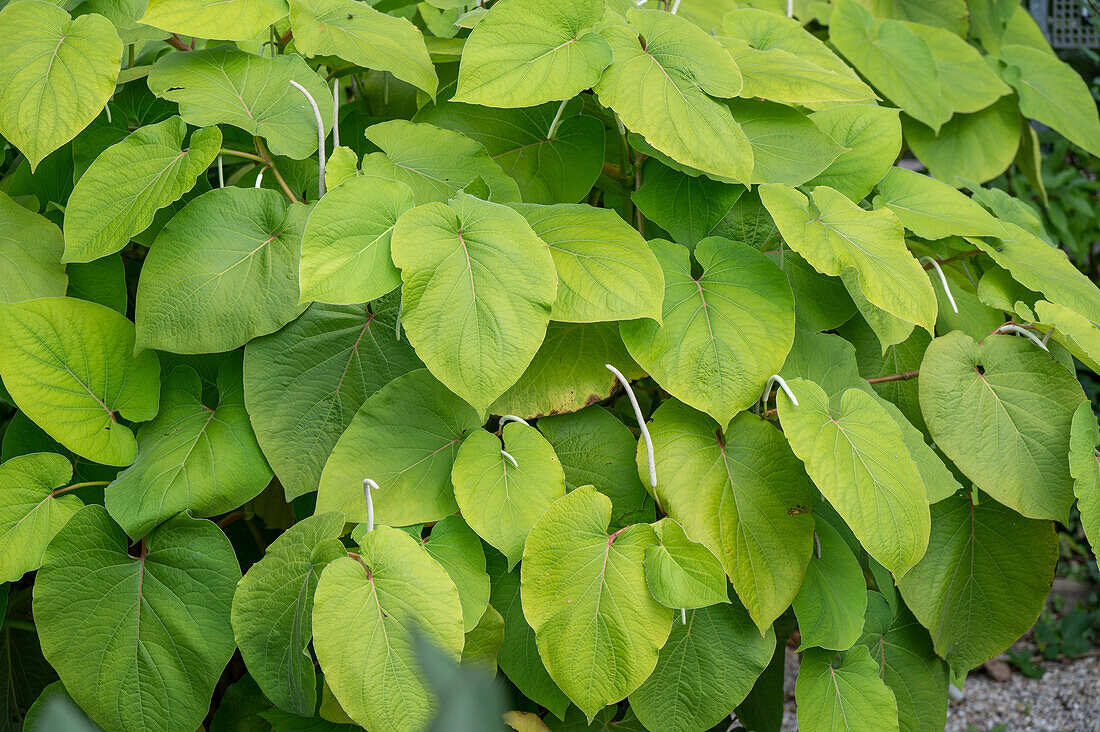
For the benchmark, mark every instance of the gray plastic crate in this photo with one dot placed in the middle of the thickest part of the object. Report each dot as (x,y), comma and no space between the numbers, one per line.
(1067,23)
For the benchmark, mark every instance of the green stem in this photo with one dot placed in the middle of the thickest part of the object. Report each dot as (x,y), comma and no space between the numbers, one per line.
(241,154)
(75,486)
(20,625)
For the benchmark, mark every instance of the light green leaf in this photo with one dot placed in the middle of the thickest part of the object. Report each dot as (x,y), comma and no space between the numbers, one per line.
(157,625)
(569,371)
(724,333)
(69,365)
(223,271)
(405,437)
(907,664)
(1002,411)
(31,511)
(31,247)
(892,57)
(526,52)
(1084,466)
(519,655)
(483,642)
(393,584)
(865,248)
(983,561)
(477,295)
(706,668)
(584,594)
(273,608)
(873,138)
(787,147)
(368,38)
(742,494)
(303,385)
(606,271)
(346,242)
(230,20)
(976,146)
(855,453)
(682,573)
(665,89)
(223,85)
(1053,93)
(900,358)
(456,547)
(129,182)
(502,500)
(56,74)
(665,194)
(850,697)
(833,596)
(948,14)
(967,82)
(435,163)
(191,457)
(598,450)
(561,169)
(102,281)
(765,29)
(932,209)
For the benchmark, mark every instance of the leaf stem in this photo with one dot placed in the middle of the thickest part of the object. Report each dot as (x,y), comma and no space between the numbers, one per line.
(235,516)
(320,136)
(20,625)
(512,418)
(75,486)
(772,381)
(1020,330)
(512,459)
(176,42)
(241,154)
(905,376)
(265,157)
(368,486)
(556,122)
(943,281)
(641,423)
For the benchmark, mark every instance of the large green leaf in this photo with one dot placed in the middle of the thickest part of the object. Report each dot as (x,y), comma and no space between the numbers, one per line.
(70,366)
(873,137)
(273,610)
(1001,411)
(742,494)
(230,20)
(1053,93)
(405,438)
(666,194)
(707,666)
(850,697)
(584,594)
(976,146)
(833,596)
(682,573)
(502,500)
(569,371)
(932,209)
(663,83)
(223,85)
(303,385)
(32,510)
(598,450)
(1084,466)
(948,14)
(129,182)
(724,333)
(346,242)
(855,453)
(192,457)
(31,247)
(767,29)
(787,147)
(56,74)
(558,169)
(967,82)
(223,271)
(363,36)
(527,52)
(459,551)
(477,295)
(983,561)
(519,655)
(362,612)
(157,625)
(606,271)
(864,248)
(907,664)
(435,163)
(894,58)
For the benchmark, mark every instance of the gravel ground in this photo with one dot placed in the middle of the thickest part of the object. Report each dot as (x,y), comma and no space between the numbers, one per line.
(1066,699)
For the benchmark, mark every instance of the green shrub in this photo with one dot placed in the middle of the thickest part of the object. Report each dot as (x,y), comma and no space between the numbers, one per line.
(388,385)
